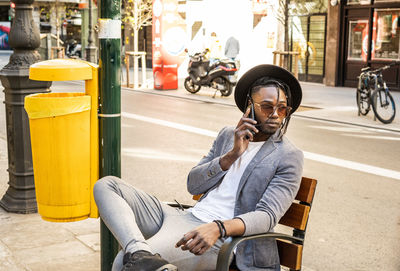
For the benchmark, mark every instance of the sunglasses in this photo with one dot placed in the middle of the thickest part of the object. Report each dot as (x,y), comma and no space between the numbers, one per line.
(269,110)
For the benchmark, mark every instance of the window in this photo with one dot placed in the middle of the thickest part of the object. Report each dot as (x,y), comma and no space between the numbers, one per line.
(386,34)
(359,2)
(44,13)
(358,40)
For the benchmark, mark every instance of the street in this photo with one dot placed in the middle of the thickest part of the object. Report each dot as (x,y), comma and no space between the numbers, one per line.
(354,222)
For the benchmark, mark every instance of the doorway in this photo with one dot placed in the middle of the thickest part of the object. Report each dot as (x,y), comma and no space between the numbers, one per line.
(308,38)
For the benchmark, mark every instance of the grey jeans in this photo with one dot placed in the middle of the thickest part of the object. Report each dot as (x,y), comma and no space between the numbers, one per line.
(140,221)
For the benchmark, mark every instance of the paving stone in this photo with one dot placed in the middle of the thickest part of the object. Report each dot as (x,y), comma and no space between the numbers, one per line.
(83,227)
(90,262)
(11,218)
(45,254)
(91,240)
(34,234)
(7,261)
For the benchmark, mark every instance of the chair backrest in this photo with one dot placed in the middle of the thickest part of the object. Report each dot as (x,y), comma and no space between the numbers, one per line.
(296,216)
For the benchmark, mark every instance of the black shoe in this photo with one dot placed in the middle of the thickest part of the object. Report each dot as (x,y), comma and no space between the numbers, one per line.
(145,261)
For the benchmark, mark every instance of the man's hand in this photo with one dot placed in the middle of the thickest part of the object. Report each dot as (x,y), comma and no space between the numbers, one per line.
(241,141)
(243,133)
(200,239)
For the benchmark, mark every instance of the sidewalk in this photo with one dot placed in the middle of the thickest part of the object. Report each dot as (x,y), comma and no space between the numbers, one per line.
(29,243)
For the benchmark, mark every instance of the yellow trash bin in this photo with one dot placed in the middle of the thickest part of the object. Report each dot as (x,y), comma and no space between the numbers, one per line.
(60,139)
(64,140)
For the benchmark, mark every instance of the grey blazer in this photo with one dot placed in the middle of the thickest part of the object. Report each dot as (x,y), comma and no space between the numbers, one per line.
(266,190)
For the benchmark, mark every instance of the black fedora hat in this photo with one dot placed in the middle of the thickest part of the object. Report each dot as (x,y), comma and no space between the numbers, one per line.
(274,72)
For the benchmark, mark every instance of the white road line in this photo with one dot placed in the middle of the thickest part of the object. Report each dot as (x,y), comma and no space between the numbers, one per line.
(352,165)
(308,155)
(170,124)
(159,155)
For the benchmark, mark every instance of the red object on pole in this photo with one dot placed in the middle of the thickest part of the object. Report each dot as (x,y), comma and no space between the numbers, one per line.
(169,38)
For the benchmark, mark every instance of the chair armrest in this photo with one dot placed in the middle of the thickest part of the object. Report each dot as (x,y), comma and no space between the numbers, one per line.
(225,253)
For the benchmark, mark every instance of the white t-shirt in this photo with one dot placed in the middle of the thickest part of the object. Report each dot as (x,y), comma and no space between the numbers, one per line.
(219,204)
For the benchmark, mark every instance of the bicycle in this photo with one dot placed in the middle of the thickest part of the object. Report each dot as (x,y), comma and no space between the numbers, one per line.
(373,91)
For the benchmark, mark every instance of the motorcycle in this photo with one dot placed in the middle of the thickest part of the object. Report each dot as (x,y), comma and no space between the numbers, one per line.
(74,49)
(221,75)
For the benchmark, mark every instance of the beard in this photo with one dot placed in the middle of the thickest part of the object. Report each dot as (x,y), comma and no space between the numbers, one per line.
(269,129)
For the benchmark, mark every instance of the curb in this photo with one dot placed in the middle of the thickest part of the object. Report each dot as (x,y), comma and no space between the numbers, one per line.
(349,123)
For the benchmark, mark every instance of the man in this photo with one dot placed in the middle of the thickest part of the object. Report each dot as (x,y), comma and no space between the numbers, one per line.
(248,180)
(214,47)
(232,48)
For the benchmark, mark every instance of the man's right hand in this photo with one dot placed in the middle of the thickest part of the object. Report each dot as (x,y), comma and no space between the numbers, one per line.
(242,137)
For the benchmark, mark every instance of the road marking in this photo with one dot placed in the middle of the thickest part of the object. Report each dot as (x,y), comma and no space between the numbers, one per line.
(159,155)
(352,165)
(308,155)
(170,124)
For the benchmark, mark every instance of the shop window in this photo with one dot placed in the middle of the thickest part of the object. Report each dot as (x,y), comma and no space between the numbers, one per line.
(5,13)
(359,2)
(386,34)
(45,26)
(301,7)
(358,40)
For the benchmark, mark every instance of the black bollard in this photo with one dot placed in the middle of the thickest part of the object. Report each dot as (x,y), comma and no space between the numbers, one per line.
(24,38)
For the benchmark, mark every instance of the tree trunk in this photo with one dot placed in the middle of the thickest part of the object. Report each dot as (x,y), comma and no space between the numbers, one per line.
(135,48)
(286,39)
(135,59)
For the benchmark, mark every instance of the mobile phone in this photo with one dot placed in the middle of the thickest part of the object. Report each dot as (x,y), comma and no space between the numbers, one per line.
(251,116)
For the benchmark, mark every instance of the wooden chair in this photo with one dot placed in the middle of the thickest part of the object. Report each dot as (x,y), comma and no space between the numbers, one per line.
(290,247)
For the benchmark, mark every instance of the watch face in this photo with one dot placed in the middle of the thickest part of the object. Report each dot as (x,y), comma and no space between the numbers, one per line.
(157,8)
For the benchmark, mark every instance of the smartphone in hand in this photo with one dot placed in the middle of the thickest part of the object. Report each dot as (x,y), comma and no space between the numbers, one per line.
(251,116)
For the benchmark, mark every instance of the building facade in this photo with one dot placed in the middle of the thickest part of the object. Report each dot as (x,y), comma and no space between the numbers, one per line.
(367,33)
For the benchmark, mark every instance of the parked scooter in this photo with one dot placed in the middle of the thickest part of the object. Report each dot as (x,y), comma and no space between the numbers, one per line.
(74,49)
(220,75)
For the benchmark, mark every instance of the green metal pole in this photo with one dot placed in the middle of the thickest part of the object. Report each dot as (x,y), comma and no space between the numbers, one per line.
(109,109)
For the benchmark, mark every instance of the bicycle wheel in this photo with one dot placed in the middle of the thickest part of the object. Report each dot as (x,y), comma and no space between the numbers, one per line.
(363,102)
(383,106)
